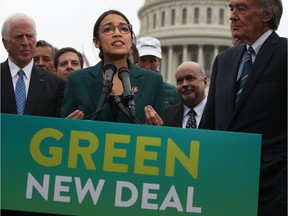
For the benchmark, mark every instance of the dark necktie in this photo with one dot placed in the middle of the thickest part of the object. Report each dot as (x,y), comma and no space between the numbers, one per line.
(245,71)
(191,123)
(20,93)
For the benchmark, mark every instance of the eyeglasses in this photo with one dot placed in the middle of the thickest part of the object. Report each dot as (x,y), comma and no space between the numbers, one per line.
(109,29)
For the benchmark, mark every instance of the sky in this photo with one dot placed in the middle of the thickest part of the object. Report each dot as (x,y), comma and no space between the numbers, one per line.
(70,22)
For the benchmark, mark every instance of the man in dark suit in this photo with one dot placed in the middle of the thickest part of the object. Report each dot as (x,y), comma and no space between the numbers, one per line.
(42,90)
(191,84)
(262,105)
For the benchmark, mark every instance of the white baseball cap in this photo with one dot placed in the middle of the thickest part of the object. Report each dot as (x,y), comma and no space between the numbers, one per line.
(149,46)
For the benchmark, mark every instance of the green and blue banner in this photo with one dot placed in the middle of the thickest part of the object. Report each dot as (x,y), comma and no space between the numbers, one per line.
(79,167)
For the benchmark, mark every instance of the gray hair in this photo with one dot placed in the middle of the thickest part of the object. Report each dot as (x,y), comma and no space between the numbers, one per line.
(43,43)
(276,8)
(6,27)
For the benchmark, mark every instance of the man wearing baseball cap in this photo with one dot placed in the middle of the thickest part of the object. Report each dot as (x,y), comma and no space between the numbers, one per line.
(150,55)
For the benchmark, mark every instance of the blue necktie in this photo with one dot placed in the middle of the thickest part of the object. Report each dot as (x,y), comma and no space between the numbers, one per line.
(191,122)
(245,71)
(20,93)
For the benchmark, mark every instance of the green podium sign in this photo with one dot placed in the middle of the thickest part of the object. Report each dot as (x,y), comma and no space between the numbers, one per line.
(79,167)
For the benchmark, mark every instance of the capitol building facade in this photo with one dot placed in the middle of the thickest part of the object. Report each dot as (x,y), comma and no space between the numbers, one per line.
(188,30)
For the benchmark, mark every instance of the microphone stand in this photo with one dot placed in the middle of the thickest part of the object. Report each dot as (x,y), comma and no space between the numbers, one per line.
(129,99)
(122,108)
(103,100)
(128,94)
(110,70)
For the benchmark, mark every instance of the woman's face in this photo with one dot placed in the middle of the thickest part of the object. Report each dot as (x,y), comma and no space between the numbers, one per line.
(115,39)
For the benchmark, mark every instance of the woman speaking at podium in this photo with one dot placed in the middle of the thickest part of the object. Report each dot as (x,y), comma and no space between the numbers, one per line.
(115,89)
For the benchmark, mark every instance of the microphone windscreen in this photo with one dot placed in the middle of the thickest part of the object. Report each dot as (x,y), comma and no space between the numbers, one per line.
(110,66)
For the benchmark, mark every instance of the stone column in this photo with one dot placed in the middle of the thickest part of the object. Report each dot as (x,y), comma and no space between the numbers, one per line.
(185,53)
(200,55)
(164,68)
(170,64)
(216,51)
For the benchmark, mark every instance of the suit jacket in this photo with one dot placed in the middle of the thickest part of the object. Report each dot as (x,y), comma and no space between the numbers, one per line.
(174,115)
(44,97)
(84,88)
(262,108)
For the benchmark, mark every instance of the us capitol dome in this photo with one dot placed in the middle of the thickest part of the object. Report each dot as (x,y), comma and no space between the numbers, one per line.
(194,30)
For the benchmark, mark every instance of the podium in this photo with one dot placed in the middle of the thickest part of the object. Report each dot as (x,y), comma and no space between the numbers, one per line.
(80,167)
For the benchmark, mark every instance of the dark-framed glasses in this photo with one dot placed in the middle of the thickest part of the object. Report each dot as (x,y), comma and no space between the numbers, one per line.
(109,29)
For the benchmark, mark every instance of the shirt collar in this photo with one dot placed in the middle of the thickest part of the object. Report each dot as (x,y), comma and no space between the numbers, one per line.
(198,109)
(14,68)
(257,44)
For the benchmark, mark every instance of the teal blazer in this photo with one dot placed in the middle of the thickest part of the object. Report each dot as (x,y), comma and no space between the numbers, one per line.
(84,89)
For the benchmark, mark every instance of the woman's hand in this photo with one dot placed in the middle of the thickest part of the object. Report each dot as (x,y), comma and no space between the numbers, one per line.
(152,117)
(77,114)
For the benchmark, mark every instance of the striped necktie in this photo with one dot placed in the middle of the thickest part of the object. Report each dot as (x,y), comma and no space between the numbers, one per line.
(20,92)
(245,71)
(191,122)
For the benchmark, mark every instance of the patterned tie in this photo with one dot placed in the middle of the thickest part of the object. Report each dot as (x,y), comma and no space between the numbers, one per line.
(20,93)
(191,123)
(245,71)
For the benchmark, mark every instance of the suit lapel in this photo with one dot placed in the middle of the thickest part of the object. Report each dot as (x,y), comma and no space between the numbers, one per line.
(137,80)
(237,57)
(94,82)
(262,59)
(7,89)
(36,87)
(228,72)
(178,115)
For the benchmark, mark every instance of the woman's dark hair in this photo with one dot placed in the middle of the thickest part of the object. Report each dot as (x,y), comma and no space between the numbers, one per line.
(101,17)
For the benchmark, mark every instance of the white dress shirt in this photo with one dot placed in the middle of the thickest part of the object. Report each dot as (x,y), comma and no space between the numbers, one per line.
(14,73)
(199,109)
